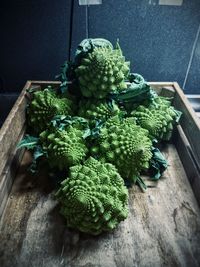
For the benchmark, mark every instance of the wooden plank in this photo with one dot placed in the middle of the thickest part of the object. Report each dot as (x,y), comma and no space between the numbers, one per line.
(163,89)
(12,127)
(8,175)
(161,84)
(193,96)
(11,133)
(162,228)
(44,84)
(198,114)
(191,166)
(189,121)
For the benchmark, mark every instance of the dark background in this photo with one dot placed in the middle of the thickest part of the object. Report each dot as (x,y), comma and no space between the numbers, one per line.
(162,42)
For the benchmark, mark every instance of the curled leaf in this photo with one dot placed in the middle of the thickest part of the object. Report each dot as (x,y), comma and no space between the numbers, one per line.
(29,142)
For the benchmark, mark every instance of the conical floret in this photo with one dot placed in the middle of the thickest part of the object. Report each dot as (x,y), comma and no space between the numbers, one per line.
(93,198)
(63,148)
(125,145)
(97,110)
(158,118)
(44,106)
(103,71)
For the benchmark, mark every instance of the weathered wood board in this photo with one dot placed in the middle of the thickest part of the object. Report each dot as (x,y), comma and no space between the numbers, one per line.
(163,227)
(11,133)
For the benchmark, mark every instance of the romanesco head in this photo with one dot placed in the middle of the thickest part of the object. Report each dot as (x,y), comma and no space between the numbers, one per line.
(93,198)
(103,71)
(97,110)
(44,106)
(158,118)
(63,148)
(125,145)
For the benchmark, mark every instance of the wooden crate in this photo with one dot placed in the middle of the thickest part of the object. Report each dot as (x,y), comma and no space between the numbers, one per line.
(163,227)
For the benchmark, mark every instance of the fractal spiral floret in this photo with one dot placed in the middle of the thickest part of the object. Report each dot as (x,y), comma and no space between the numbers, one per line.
(126,145)
(94,110)
(44,106)
(93,198)
(103,71)
(64,148)
(158,118)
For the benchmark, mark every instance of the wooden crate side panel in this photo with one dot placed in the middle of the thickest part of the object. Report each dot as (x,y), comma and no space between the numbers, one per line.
(8,177)
(44,84)
(12,128)
(189,122)
(187,157)
(11,133)
(163,88)
(187,139)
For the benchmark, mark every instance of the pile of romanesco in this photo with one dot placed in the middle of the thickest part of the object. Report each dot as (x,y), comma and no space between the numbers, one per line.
(101,128)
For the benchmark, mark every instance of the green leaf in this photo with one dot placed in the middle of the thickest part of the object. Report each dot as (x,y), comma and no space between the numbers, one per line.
(110,103)
(28,142)
(37,153)
(87,133)
(141,183)
(137,92)
(136,179)
(62,121)
(178,115)
(32,143)
(66,76)
(32,89)
(158,164)
(87,46)
(95,132)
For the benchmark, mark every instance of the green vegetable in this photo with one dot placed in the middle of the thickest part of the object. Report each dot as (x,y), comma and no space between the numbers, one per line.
(102,71)
(97,110)
(88,45)
(125,145)
(62,122)
(164,103)
(158,118)
(44,106)
(32,143)
(158,164)
(137,91)
(93,198)
(64,148)
(28,142)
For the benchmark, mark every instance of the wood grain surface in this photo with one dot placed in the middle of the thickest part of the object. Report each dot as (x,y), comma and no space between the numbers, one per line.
(188,160)
(162,229)
(189,121)
(11,133)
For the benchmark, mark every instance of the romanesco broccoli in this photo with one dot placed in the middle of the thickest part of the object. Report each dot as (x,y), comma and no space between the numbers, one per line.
(103,71)
(93,198)
(125,145)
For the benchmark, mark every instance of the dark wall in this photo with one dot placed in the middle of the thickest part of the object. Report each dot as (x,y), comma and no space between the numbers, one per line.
(193,82)
(34,37)
(158,40)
